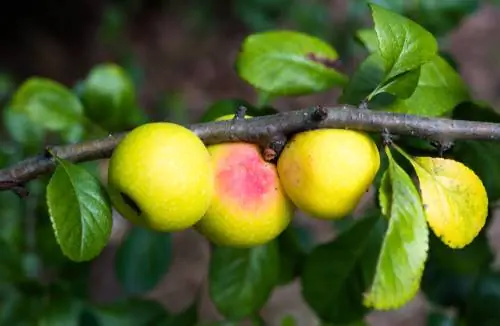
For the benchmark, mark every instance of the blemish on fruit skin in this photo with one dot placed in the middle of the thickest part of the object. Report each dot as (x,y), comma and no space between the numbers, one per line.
(242,175)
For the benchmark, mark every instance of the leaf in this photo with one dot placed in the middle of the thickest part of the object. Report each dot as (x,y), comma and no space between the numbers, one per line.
(368,37)
(404,250)
(455,200)
(439,90)
(483,157)
(49,104)
(188,317)
(403,86)
(403,44)
(109,97)
(22,130)
(241,280)
(385,194)
(287,63)
(130,312)
(61,312)
(365,79)
(80,211)
(142,259)
(336,274)
(291,255)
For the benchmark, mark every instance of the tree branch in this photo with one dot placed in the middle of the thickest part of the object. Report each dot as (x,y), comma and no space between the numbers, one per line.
(262,129)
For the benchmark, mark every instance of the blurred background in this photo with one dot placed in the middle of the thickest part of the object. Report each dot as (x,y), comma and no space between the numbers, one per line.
(181,53)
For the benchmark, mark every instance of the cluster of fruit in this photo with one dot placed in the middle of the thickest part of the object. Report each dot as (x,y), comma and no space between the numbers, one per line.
(162,176)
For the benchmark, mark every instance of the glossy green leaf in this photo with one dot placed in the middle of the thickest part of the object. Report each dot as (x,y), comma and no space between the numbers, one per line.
(336,274)
(403,44)
(142,259)
(368,75)
(403,86)
(439,90)
(241,280)
(405,247)
(130,312)
(483,157)
(288,63)
(80,211)
(48,103)
(368,37)
(188,317)
(61,312)
(109,96)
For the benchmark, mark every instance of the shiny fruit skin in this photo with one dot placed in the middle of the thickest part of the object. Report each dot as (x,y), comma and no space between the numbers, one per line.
(165,169)
(249,207)
(325,172)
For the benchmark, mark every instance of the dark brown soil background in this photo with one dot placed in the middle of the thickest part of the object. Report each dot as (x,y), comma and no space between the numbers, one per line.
(199,68)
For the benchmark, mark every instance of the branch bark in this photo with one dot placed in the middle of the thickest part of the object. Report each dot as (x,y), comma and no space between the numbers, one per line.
(262,129)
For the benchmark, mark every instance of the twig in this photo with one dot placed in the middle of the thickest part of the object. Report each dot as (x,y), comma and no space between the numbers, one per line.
(262,129)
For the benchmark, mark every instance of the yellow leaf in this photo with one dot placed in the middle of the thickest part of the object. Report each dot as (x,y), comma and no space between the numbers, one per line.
(455,200)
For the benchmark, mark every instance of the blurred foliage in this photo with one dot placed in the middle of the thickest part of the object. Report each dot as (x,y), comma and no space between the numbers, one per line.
(44,271)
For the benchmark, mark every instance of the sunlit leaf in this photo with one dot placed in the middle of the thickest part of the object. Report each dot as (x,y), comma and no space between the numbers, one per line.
(368,37)
(403,44)
(404,250)
(440,88)
(288,63)
(456,203)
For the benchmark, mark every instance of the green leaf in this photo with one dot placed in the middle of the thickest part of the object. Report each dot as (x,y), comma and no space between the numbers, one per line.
(483,157)
(49,104)
(403,44)
(109,96)
(439,90)
(288,320)
(336,274)
(291,255)
(22,130)
(403,86)
(368,37)
(61,312)
(80,211)
(188,317)
(229,106)
(365,79)
(130,312)
(288,63)
(404,250)
(241,280)
(385,194)
(142,259)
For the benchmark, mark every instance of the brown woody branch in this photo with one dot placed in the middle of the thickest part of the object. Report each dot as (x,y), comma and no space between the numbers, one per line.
(263,129)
